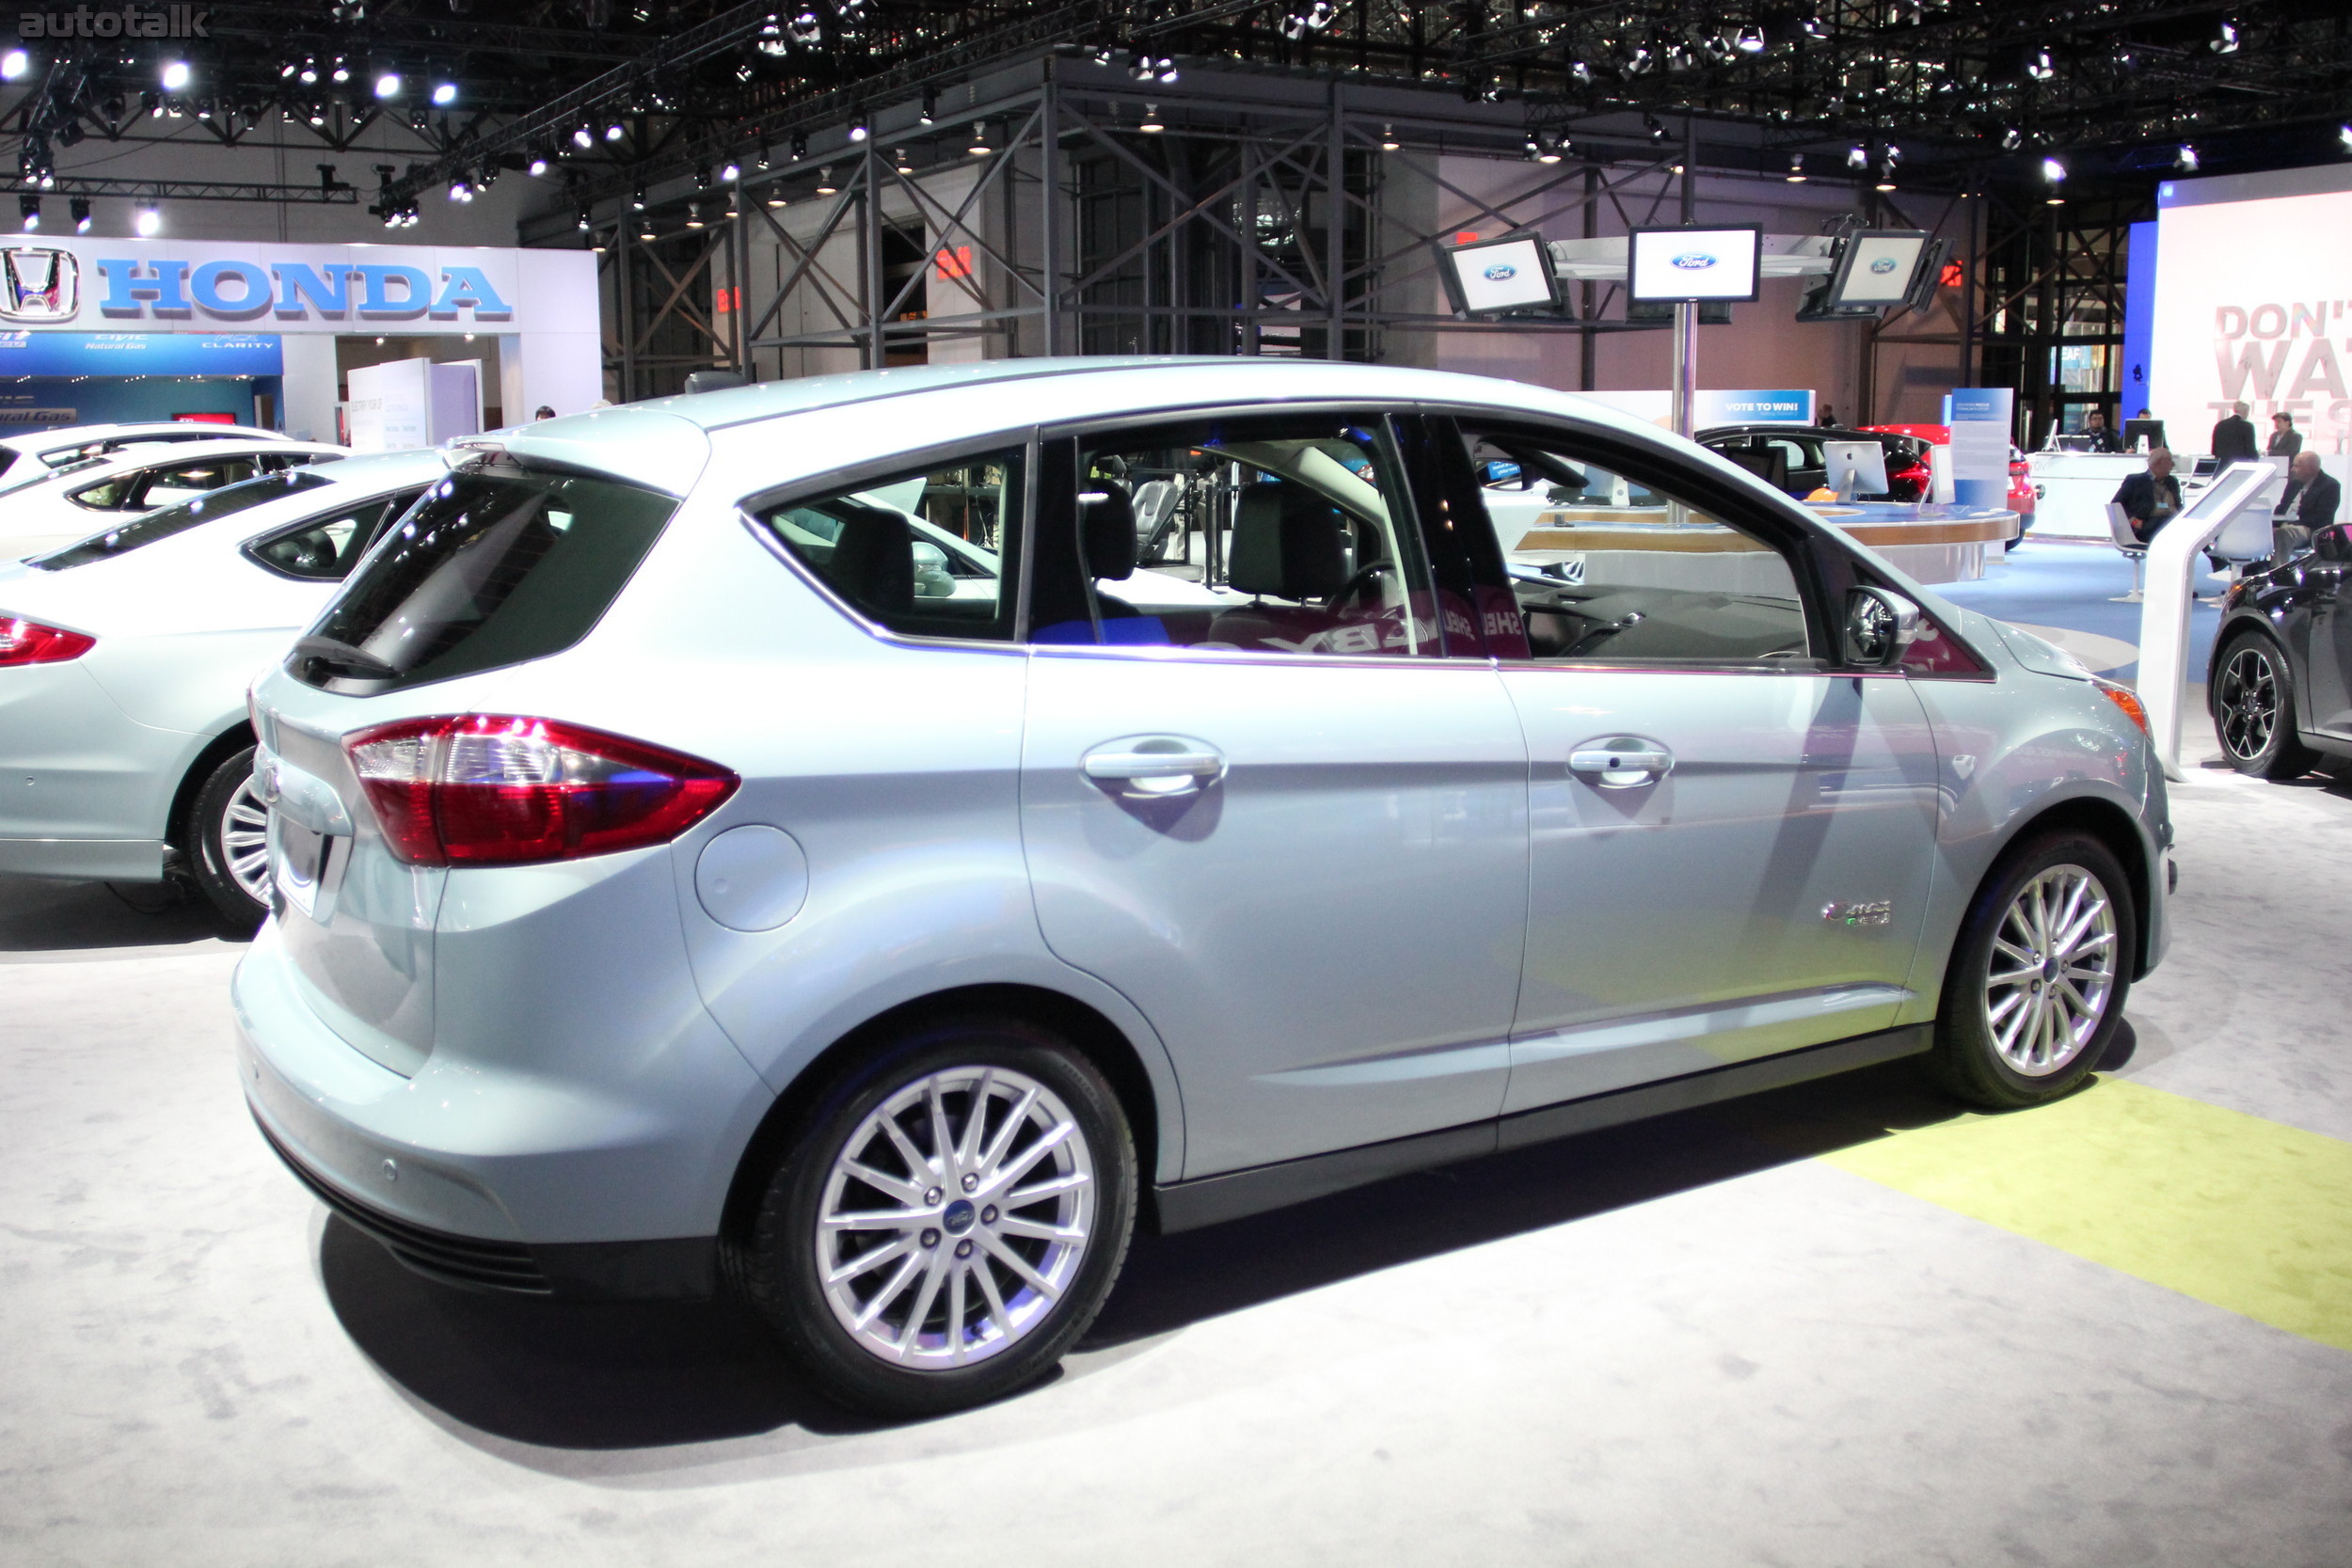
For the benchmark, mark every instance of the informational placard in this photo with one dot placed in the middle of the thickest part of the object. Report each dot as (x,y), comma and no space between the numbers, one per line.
(1981,421)
(1678,264)
(59,354)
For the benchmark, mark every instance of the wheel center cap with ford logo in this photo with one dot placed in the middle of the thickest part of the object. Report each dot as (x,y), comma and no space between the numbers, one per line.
(958,1216)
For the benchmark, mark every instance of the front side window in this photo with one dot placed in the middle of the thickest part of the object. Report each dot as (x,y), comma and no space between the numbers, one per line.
(1285,534)
(923,552)
(207,508)
(1613,569)
(151,488)
(503,560)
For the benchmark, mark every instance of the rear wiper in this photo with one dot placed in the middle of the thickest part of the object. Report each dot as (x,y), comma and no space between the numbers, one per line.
(337,654)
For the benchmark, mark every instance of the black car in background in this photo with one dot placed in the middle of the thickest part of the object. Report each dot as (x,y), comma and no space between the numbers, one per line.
(2279,686)
(1790,457)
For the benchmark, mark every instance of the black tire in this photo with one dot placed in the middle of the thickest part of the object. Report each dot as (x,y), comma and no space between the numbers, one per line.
(218,845)
(1989,1061)
(2252,697)
(779,1263)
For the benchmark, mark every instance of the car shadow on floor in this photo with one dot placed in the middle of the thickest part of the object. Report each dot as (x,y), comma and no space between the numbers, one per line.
(38,915)
(639,1376)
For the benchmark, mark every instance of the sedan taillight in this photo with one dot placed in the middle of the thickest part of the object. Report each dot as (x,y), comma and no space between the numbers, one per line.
(24,642)
(494,789)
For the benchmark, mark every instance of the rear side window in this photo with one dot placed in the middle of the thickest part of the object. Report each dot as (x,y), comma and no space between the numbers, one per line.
(324,549)
(501,562)
(145,487)
(179,519)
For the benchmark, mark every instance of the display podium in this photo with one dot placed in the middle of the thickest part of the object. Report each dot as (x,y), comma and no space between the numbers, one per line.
(2229,515)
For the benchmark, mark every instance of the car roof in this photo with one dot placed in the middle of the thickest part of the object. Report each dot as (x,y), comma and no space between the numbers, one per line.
(84,435)
(664,441)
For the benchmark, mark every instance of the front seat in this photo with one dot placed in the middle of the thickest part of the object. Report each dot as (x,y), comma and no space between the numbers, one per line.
(1287,543)
(873,562)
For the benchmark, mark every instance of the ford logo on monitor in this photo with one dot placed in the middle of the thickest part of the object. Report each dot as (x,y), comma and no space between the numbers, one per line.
(1695,260)
(1501,272)
(1882,265)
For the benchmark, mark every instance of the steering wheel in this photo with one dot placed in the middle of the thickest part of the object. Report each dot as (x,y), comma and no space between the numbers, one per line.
(1365,576)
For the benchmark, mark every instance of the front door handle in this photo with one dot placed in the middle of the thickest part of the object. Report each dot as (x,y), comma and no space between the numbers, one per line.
(1154,764)
(1622,761)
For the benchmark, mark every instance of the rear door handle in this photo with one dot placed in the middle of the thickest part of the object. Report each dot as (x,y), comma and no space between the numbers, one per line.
(1621,762)
(1154,764)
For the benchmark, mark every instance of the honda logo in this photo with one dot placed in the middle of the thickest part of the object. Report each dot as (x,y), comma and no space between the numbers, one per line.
(39,284)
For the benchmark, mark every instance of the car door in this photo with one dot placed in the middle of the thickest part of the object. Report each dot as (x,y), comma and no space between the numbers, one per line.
(1731,838)
(1275,815)
(2327,626)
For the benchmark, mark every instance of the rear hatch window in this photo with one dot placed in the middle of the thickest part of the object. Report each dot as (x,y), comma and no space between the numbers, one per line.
(226,502)
(502,562)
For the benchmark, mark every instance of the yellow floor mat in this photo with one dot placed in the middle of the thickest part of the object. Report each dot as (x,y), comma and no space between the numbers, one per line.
(2245,1213)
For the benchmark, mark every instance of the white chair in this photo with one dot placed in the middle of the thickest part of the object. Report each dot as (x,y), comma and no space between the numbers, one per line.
(2129,543)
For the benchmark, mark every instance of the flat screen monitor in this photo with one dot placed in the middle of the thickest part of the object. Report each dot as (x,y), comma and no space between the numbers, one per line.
(1510,272)
(2135,430)
(1866,459)
(1677,264)
(1876,268)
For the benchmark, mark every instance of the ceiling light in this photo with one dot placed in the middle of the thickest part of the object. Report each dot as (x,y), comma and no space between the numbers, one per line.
(930,106)
(150,221)
(857,130)
(2040,68)
(1813,28)
(14,64)
(614,132)
(175,75)
(979,138)
(1655,127)
(800,145)
(824,182)
(2185,159)
(1580,72)
(2053,170)
(1750,42)
(775,198)
(81,214)
(584,137)
(637,199)
(583,229)
(342,71)
(899,161)
(29,208)
(444,93)
(310,71)
(538,165)
(1151,119)
(2011,138)
(1857,156)
(761,162)
(2344,137)
(460,191)
(1796,169)
(388,85)
(2225,41)
(1388,139)
(1886,178)
(731,172)
(694,215)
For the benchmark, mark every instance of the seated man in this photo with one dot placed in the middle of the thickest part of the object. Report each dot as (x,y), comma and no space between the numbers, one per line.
(2311,498)
(2152,498)
(2102,439)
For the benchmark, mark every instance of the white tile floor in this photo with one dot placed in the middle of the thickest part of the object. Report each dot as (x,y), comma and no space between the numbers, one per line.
(1678,1344)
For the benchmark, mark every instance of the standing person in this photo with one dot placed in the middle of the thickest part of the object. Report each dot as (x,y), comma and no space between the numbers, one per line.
(1827,418)
(2285,440)
(2152,498)
(2233,439)
(546,412)
(2102,439)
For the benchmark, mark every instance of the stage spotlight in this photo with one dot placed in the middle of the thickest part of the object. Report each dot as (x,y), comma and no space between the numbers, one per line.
(582,137)
(2225,41)
(930,106)
(614,132)
(28,207)
(730,173)
(14,64)
(2344,137)
(1857,156)
(80,205)
(444,93)
(1750,40)
(150,221)
(538,165)
(2186,160)
(174,75)
(388,85)
(2011,138)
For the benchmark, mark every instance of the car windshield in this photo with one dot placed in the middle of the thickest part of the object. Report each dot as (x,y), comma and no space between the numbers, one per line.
(224,502)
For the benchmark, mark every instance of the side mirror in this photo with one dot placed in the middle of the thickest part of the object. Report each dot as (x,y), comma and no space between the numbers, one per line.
(1879,627)
(2333,543)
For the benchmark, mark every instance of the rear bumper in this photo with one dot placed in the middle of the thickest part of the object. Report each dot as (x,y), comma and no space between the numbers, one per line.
(483,1176)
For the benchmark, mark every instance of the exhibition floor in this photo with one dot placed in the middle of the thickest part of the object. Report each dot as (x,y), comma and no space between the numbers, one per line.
(1837,1324)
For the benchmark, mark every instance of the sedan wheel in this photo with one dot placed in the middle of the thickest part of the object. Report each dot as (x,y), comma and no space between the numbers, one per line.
(228,842)
(2039,974)
(2253,712)
(945,1221)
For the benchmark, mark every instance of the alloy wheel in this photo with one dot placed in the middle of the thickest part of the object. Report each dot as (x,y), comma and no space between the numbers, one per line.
(245,841)
(2058,940)
(955,1218)
(2249,704)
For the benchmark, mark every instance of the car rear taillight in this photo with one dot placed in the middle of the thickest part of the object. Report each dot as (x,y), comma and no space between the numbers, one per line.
(24,642)
(494,789)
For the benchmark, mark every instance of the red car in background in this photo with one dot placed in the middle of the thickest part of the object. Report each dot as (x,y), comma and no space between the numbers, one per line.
(2022,492)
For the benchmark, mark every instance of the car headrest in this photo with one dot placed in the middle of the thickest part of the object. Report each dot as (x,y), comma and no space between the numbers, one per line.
(1106,528)
(873,561)
(1287,542)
